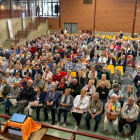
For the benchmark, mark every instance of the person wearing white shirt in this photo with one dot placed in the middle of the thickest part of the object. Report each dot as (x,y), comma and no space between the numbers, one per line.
(102,59)
(81,102)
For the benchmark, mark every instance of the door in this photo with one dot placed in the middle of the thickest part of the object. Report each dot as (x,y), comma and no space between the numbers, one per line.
(68,26)
(71,27)
(74,28)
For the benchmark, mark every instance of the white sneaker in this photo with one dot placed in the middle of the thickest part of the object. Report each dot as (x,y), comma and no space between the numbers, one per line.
(64,125)
(76,128)
(58,124)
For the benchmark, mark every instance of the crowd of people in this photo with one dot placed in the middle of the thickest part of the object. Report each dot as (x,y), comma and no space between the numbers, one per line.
(68,73)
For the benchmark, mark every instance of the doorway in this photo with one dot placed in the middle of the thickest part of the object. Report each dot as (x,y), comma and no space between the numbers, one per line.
(71,27)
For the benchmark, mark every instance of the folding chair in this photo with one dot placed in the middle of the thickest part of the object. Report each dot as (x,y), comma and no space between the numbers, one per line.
(73,74)
(127,81)
(128,74)
(109,71)
(130,69)
(120,68)
(63,73)
(111,68)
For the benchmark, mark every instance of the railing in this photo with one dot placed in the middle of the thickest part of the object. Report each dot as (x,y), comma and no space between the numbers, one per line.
(31,26)
(74,133)
(14,14)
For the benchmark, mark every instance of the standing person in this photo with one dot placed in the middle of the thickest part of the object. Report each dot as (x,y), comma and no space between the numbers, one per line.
(37,10)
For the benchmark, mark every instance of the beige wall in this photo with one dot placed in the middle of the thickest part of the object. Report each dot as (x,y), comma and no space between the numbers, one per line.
(16,25)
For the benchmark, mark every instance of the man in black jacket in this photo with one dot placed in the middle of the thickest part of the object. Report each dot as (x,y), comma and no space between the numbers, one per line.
(111,60)
(103,92)
(122,62)
(80,79)
(98,68)
(25,96)
(75,88)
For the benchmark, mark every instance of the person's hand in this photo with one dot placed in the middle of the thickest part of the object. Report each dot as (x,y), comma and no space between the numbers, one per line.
(77,107)
(72,90)
(65,104)
(113,114)
(103,92)
(93,116)
(7,97)
(33,104)
(2,90)
(36,104)
(62,104)
(48,104)
(127,119)
(46,90)
(51,103)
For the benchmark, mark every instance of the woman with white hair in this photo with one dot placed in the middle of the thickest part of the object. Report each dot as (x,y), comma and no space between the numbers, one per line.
(112,111)
(51,101)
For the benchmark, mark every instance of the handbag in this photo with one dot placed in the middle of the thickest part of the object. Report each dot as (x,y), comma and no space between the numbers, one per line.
(63,109)
(110,117)
(78,112)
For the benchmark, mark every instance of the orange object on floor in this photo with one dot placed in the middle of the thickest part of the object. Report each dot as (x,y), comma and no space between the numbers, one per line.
(27,127)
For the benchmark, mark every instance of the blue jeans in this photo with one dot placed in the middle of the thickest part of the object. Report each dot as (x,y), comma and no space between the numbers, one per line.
(7,103)
(104,101)
(97,120)
(59,116)
(139,119)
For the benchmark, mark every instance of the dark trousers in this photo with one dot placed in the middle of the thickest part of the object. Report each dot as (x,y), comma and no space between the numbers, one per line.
(77,117)
(97,120)
(133,125)
(37,112)
(52,113)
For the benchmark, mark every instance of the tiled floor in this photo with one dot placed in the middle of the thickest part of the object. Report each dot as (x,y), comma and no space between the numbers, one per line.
(82,127)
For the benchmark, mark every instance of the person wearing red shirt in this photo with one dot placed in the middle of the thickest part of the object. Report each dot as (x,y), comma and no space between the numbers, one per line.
(71,56)
(33,50)
(131,62)
(57,77)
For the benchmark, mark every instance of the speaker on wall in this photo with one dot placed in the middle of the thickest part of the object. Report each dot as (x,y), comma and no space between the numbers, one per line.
(56,8)
(87,1)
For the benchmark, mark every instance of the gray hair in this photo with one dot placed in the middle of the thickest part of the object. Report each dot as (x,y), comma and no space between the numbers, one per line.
(103,82)
(131,98)
(97,94)
(53,85)
(30,81)
(114,95)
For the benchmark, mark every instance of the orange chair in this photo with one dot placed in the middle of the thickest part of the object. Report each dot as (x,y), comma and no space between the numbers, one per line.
(120,68)
(73,74)
(63,73)
(111,67)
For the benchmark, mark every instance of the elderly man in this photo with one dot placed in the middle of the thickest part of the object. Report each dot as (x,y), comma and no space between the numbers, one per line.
(78,66)
(103,92)
(111,60)
(2,68)
(75,88)
(12,97)
(36,71)
(135,73)
(25,96)
(38,81)
(8,77)
(98,68)
(112,109)
(6,54)
(129,93)
(108,85)
(56,58)
(95,109)
(104,72)
(5,63)
(122,62)
(129,113)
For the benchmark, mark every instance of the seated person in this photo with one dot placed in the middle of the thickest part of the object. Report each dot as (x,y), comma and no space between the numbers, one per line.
(122,62)
(17,70)
(98,68)
(90,88)
(102,59)
(129,115)
(84,72)
(75,88)
(80,79)
(111,60)
(103,92)
(36,102)
(65,105)
(108,85)
(78,66)
(4,89)
(17,78)
(12,97)
(51,100)
(131,62)
(25,96)
(94,80)
(38,81)
(115,77)
(26,70)
(53,70)
(57,77)
(36,71)
(116,91)
(95,109)
(81,102)
(112,109)
(62,85)
(47,74)
(68,65)
(8,77)
(48,84)
(24,80)
(136,72)
(69,77)
(129,93)
(95,59)
(74,61)
(104,72)
(92,71)
(60,64)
